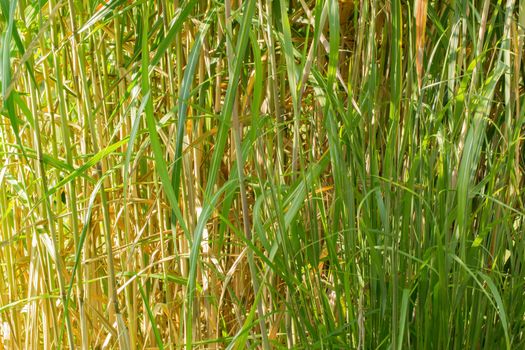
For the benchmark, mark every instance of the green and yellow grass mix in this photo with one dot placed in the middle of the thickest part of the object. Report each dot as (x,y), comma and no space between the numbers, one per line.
(302,174)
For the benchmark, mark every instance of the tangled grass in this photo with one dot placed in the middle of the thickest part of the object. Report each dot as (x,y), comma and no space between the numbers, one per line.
(300,174)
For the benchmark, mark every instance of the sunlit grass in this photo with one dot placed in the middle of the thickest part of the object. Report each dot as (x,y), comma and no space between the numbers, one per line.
(262,174)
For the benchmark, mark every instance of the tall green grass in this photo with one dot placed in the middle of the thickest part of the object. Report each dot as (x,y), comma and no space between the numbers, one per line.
(298,174)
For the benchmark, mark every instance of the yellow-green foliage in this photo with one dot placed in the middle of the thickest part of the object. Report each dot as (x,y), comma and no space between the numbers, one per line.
(310,174)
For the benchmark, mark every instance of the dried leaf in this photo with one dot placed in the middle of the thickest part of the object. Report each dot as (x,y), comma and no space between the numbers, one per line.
(421,21)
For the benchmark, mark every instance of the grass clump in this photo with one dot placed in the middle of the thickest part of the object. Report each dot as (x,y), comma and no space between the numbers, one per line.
(262,174)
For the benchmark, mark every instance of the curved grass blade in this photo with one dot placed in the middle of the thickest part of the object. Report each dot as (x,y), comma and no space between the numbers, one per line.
(151,317)
(183,103)
(160,162)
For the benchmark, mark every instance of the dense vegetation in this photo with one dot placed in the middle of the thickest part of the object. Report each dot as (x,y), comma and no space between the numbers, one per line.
(262,174)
